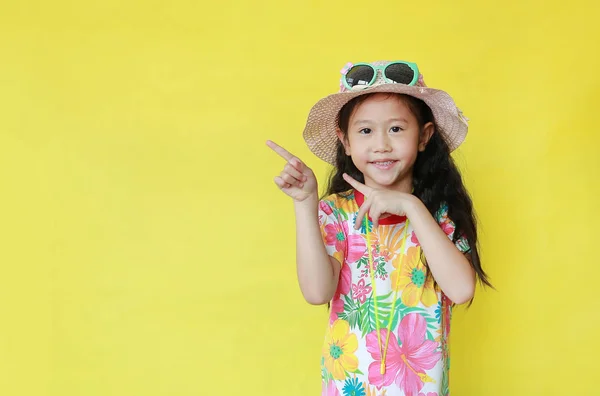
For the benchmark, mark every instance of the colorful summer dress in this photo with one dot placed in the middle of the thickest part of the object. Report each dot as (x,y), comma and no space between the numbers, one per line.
(416,358)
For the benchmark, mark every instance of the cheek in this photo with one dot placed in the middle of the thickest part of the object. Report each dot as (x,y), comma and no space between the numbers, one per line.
(359,157)
(354,148)
(358,153)
(408,148)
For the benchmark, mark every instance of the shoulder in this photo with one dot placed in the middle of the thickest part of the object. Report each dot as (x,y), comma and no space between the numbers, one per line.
(340,206)
(441,216)
(338,200)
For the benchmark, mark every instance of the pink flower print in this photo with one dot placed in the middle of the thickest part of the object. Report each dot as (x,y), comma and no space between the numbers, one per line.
(428,394)
(413,239)
(374,253)
(421,81)
(445,223)
(387,256)
(329,389)
(337,307)
(337,235)
(356,247)
(379,267)
(345,280)
(366,271)
(325,208)
(405,364)
(392,360)
(360,291)
(447,226)
(378,251)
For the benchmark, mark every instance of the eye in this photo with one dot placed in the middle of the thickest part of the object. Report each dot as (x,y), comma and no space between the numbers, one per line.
(395,129)
(365,131)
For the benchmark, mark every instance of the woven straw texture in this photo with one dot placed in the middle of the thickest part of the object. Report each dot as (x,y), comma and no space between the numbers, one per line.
(320,130)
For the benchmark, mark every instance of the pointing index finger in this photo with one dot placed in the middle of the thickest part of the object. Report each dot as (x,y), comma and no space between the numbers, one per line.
(286,155)
(357,185)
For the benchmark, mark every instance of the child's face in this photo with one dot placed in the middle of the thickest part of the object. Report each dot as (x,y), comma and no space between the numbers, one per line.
(383,140)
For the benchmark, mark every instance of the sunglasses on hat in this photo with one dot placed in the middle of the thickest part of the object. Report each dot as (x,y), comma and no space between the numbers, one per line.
(365,74)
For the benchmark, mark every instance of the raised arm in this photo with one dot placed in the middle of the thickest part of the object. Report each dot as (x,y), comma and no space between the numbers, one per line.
(318,273)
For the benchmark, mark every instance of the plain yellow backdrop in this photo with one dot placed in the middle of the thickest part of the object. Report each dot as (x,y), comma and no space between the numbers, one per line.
(146,251)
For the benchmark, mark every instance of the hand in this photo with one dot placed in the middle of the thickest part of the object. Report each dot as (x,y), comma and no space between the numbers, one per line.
(379,202)
(296,179)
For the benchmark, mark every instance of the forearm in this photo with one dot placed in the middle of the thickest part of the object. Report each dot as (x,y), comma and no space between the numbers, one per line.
(450,268)
(317,271)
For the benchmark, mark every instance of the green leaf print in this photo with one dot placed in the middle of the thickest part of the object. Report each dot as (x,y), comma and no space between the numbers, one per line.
(445,384)
(463,245)
(367,310)
(380,268)
(351,312)
(364,260)
(402,310)
(398,313)
(340,214)
(379,265)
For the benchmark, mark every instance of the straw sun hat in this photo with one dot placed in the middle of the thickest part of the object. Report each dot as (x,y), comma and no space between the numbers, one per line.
(320,130)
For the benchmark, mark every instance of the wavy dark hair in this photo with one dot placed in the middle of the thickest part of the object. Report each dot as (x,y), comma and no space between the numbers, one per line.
(436,179)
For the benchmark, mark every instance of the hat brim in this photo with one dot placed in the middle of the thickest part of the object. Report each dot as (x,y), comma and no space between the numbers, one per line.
(321,126)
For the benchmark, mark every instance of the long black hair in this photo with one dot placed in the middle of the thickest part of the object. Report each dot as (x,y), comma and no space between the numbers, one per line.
(436,179)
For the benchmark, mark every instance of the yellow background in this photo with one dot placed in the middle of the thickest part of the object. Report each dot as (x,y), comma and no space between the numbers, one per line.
(146,251)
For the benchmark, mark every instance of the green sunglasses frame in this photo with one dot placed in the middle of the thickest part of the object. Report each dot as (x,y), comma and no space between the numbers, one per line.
(381,69)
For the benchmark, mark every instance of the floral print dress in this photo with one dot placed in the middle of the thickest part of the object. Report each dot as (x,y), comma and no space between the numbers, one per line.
(417,361)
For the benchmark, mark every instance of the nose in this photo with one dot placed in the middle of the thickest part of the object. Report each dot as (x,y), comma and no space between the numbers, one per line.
(382,143)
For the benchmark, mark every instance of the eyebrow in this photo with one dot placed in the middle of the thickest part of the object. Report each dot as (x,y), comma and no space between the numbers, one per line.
(390,120)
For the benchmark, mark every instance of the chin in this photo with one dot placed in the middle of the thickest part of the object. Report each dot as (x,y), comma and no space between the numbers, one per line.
(386,182)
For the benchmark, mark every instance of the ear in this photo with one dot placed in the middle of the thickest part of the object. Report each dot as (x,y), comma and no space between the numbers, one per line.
(344,140)
(428,131)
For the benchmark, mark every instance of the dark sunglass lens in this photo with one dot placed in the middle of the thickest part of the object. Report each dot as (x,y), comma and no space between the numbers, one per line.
(360,75)
(399,73)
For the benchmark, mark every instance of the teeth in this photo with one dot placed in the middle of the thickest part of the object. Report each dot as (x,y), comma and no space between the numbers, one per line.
(384,163)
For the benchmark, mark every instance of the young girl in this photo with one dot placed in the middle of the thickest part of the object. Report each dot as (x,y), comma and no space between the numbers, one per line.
(393,244)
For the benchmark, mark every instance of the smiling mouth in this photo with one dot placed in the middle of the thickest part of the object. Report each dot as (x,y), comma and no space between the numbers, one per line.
(383,164)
